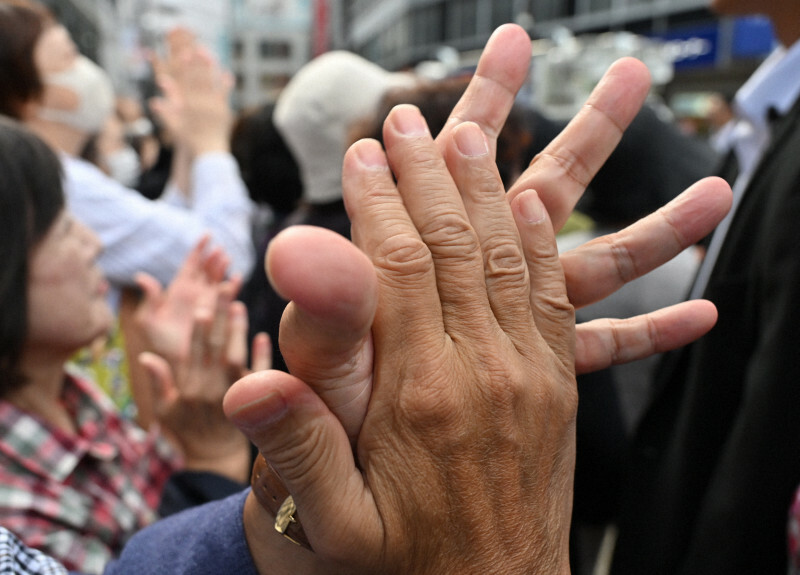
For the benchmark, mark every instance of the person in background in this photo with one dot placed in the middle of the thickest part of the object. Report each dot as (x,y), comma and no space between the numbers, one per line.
(76,479)
(273,179)
(715,460)
(385,528)
(66,99)
(435,99)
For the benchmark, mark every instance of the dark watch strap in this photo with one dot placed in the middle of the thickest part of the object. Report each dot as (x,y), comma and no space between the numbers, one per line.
(273,496)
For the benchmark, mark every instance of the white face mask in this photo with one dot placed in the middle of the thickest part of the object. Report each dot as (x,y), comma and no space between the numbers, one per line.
(124,166)
(95,96)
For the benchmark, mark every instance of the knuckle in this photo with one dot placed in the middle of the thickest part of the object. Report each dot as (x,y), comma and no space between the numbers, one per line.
(432,405)
(623,260)
(503,259)
(504,387)
(403,255)
(451,233)
(566,161)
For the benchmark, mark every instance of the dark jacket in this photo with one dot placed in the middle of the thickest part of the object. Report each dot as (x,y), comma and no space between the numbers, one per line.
(717,455)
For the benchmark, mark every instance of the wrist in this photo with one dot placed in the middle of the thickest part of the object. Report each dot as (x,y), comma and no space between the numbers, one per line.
(231,459)
(211,146)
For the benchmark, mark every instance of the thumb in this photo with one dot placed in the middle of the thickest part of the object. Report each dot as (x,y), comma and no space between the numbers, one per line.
(306,445)
(162,382)
(325,330)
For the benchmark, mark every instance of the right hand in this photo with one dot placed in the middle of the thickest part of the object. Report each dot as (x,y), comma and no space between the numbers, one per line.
(195,104)
(325,332)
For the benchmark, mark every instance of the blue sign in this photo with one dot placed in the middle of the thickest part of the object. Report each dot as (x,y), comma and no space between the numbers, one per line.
(752,37)
(694,47)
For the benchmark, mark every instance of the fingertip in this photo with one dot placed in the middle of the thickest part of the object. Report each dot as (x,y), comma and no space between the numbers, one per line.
(407,120)
(260,400)
(528,207)
(323,273)
(470,140)
(368,153)
(706,310)
(255,412)
(145,359)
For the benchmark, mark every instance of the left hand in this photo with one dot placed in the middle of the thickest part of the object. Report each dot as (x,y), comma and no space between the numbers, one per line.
(165,317)
(188,390)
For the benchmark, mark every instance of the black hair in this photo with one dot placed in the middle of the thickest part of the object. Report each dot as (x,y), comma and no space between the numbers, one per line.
(31,198)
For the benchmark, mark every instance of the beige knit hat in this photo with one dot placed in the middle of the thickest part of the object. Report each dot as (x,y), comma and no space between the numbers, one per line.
(316,110)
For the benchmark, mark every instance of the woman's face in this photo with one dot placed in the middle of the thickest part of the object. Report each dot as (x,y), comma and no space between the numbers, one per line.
(55,51)
(67,305)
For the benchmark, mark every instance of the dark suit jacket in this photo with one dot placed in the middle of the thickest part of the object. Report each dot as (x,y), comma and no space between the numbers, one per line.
(717,456)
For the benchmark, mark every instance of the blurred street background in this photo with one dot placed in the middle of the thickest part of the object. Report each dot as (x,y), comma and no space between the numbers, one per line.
(694,56)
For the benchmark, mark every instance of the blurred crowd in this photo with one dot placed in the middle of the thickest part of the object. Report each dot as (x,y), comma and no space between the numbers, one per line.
(135,293)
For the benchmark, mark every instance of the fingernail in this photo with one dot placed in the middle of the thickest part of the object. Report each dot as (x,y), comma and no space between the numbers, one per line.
(409,121)
(531,207)
(265,410)
(470,140)
(371,155)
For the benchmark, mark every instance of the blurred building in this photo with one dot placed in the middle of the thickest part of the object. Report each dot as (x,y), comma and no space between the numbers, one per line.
(263,42)
(708,53)
(270,42)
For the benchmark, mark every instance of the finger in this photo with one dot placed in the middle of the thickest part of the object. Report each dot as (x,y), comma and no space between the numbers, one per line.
(235,282)
(172,98)
(561,172)
(199,342)
(261,353)
(382,229)
(429,208)
(306,444)
(152,292)
(552,311)
(325,330)
(194,261)
(505,274)
(237,325)
(217,338)
(162,381)
(501,71)
(605,342)
(215,265)
(612,261)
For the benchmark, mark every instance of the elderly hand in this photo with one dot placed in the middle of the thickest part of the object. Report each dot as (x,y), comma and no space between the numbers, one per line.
(464,461)
(327,343)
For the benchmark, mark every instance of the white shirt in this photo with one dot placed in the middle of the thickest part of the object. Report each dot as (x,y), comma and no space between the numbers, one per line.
(774,86)
(141,235)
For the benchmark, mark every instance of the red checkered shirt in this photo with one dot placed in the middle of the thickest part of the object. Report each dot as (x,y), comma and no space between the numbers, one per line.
(80,497)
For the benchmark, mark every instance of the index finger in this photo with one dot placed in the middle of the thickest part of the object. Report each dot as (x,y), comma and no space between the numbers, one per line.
(561,172)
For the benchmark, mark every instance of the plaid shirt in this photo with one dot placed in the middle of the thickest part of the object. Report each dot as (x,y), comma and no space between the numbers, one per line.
(794,535)
(16,559)
(79,498)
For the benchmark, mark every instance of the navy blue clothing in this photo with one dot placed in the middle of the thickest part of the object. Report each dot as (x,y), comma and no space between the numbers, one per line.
(205,540)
